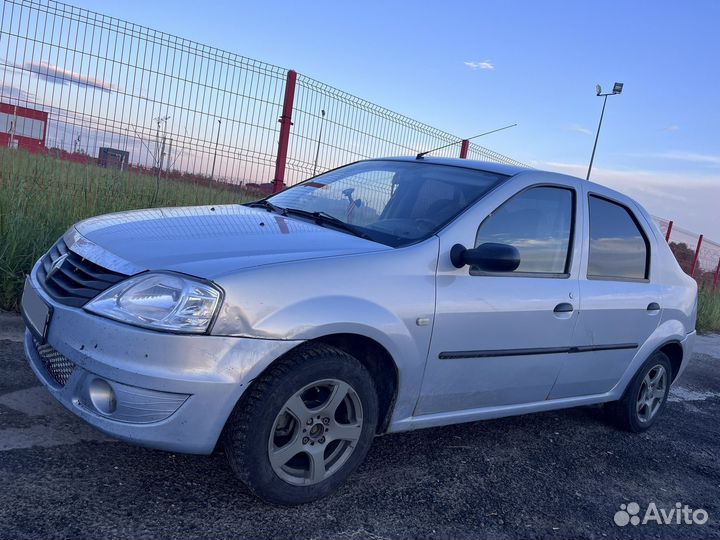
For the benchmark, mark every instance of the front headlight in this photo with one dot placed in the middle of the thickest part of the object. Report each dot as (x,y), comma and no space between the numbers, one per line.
(161,301)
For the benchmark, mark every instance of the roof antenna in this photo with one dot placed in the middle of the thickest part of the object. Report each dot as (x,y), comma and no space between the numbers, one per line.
(422,154)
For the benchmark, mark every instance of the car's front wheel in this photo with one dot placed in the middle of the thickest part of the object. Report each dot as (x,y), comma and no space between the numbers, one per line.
(303,426)
(645,397)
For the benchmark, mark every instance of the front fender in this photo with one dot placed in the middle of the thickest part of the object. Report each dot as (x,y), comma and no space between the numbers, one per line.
(318,317)
(386,296)
(314,317)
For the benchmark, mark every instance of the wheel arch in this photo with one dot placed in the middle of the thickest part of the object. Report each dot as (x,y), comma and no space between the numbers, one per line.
(674,351)
(370,353)
(672,348)
(378,361)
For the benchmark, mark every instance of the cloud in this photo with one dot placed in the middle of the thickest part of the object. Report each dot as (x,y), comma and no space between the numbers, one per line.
(487,65)
(670,129)
(690,157)
(645,177)
(52,73)
(576,128)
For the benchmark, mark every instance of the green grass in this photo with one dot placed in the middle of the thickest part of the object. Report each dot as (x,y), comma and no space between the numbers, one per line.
(40,197)
(708,311)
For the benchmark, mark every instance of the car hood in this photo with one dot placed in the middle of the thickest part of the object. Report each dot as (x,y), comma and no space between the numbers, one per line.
(207,241)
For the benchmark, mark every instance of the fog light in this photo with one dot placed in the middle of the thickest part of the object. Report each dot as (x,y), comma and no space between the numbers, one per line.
(102,396)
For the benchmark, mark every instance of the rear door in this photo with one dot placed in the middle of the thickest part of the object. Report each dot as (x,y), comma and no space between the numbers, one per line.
(620,305)
(501,338)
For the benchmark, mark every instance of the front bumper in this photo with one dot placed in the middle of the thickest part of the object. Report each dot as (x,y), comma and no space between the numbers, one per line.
(172,392)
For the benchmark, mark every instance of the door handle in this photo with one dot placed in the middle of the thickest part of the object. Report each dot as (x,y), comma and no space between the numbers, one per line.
(653,306)
(563,307)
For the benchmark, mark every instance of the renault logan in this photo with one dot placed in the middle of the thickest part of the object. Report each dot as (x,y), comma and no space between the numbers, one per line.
(383,296)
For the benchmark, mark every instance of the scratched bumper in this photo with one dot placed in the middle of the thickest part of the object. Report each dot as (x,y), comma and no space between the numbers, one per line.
(172,392)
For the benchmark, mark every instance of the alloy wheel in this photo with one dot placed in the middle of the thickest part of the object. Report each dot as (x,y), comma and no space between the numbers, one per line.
(652,393)
(315,432)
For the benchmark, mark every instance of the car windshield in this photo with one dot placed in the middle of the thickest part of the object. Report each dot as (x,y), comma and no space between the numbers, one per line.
(392,202)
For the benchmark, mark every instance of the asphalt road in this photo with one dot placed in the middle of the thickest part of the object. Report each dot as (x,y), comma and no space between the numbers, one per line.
(552,475)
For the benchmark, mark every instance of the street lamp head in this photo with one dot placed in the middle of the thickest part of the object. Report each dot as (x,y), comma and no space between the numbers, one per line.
(617,88)
(598,89)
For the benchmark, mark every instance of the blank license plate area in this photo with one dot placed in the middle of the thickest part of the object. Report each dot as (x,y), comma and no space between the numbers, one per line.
(35,311)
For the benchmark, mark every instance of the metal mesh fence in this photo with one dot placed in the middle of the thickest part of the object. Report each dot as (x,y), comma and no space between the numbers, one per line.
(708,269)
(332,127)
(662,224)
(172,104)
(475,151)
(94,89)
(684,244)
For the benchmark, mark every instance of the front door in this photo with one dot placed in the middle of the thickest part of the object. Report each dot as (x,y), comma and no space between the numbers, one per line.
(501,338)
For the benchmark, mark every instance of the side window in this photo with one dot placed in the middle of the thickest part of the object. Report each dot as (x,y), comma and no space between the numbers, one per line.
(539,223)
(618,247)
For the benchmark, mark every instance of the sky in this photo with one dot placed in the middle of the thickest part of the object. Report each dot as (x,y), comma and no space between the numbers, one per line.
(469,67)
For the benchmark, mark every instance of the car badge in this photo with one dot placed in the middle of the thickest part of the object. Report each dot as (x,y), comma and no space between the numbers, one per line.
(57,263)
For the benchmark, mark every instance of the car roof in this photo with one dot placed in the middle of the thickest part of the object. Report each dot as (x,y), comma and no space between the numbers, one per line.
(489,166)
(509,170)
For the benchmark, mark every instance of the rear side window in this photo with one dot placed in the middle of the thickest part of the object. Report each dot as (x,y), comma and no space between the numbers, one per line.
(618,247)
(539,223)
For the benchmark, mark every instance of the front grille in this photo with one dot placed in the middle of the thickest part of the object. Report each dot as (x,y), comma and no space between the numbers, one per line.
(59,367)
(76,280)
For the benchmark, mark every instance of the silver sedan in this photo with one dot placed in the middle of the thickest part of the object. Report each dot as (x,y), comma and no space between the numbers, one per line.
(383,296)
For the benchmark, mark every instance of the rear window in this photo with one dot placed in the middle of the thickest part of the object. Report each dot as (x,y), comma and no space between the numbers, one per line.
(618,247)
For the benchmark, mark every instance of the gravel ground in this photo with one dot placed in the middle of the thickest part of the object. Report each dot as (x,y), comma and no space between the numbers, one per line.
(552,475)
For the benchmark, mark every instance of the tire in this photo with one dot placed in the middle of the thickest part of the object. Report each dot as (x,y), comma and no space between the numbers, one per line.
(310,460)
(638,410)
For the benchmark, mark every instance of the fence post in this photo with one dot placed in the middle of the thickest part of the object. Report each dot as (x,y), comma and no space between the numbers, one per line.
(717,275)
(464,147)
(697,254)
(285,123)
(669,230)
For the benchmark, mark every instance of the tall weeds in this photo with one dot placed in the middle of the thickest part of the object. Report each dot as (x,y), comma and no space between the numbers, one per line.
(708,311)
(40,197)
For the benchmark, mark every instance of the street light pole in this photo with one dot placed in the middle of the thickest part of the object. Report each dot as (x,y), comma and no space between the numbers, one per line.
(597,136)
(617,89)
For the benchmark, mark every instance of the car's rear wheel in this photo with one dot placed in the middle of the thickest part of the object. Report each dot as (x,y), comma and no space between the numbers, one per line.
(303,426)
(645,397)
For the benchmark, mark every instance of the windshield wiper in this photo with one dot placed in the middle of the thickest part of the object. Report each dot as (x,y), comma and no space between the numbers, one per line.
(264,203)
(328,219)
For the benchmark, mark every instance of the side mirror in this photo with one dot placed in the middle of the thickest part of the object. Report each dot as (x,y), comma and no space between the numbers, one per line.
(490,257)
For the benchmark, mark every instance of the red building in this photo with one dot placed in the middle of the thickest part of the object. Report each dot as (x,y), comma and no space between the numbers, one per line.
(23,128)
